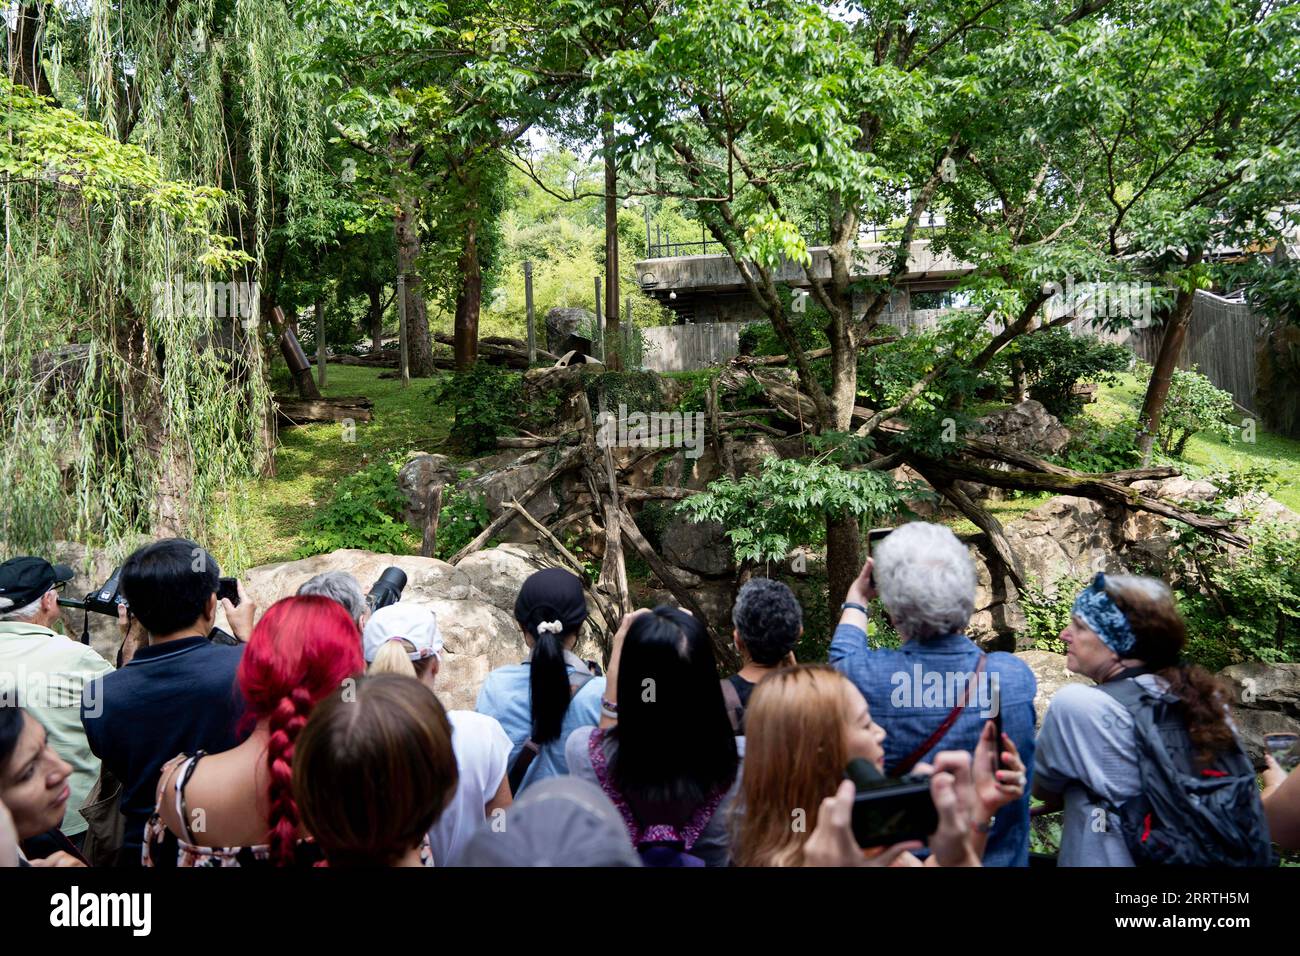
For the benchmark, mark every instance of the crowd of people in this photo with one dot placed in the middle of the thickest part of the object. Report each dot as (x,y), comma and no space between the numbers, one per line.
(314,736)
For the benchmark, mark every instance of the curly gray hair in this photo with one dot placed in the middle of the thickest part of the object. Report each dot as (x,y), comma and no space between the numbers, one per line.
(926,580)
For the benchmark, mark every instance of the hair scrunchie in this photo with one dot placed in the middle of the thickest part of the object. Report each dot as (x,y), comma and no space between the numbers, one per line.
(550,627)
(1095,608)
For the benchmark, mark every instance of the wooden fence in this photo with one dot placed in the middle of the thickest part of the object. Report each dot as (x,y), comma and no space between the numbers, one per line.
(1222,341)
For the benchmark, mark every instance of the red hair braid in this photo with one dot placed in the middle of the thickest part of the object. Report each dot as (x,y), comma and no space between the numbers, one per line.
(300,651)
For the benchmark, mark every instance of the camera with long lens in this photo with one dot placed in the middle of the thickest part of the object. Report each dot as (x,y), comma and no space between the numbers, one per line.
(387,590)
(105,599)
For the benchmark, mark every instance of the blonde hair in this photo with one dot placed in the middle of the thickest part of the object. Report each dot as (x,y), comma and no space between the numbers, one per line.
(392,658)
(795,756)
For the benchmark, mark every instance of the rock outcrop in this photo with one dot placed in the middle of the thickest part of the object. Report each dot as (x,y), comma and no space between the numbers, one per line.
(474,603)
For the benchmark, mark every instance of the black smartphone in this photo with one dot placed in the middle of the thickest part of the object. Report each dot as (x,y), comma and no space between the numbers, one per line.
(995,703)
(888,815)
(228,590)
(874,537)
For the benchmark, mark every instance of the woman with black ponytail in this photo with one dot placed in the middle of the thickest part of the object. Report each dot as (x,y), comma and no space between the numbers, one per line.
(542,700)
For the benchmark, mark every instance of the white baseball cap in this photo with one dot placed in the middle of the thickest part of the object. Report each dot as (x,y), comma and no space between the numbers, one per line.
(402,621)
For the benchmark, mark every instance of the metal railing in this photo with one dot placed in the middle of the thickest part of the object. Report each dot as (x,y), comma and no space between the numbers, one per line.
(662,245)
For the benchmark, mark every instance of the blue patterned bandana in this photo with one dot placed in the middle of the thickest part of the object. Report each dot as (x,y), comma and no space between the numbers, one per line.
(1095,609)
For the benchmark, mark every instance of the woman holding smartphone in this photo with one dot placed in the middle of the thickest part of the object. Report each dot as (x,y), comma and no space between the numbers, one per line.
(805,724)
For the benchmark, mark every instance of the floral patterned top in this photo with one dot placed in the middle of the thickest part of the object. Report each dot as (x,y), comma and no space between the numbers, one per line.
(159,842)
(656,832)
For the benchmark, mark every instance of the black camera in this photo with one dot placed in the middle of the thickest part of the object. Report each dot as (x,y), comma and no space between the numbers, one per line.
(104,600)
(888,810)
(388,589)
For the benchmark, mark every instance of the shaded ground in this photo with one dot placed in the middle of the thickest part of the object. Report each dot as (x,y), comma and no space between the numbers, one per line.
(311,458)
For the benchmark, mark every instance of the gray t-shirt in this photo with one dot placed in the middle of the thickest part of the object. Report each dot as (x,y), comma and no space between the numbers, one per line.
(714,843)
(1086,747)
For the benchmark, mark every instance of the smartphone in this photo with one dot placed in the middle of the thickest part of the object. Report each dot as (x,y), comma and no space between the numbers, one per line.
(1282,747)
(995,704)
(874,537)
(228,589)
(894,814)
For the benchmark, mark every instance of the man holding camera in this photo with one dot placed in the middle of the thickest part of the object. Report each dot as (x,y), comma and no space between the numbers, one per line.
(46,672)
(177,693)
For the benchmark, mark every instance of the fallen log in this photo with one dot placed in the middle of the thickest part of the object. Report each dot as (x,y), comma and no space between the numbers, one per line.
(1081,485)
(303,411)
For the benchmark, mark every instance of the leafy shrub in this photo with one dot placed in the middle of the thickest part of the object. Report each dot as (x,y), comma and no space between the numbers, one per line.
(1047,611)
(1193,405)
(1055,360)
(698,382)
(365,512)
(487,401)
(1246,603)
(1096,448)
(460,519)
(787,503)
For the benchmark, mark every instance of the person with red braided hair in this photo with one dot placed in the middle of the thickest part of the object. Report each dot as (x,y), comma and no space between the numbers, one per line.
(237,808)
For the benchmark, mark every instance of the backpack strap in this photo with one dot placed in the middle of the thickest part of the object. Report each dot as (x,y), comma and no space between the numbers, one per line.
(912,759)
(519,769)
(735,709)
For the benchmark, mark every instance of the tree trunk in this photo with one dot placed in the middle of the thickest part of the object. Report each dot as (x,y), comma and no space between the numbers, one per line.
(469,299)
(406,230)
(843,558)
(376,292)
(1162,371)
(24,49)
(613,356)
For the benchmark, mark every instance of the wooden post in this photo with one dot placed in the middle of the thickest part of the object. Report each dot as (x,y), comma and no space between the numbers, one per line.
(532,319)
(627,327)
(600,325)
(403,359)
(320,343)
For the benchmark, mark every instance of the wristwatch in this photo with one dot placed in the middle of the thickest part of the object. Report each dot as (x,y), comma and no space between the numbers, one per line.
(854,605)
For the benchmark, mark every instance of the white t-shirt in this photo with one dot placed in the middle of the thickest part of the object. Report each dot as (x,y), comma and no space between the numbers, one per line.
(482,749)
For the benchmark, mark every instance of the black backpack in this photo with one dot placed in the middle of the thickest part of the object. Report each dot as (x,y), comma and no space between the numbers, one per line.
(1185,815)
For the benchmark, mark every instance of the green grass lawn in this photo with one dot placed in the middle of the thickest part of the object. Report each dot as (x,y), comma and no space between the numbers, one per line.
(1208,452)
(1205,454)
(312,458)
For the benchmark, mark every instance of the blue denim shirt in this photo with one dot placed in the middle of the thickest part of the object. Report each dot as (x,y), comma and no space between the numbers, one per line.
(903,690)
(506,695)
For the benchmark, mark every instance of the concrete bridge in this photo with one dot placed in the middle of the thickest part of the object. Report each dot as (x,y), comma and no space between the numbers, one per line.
(708,287)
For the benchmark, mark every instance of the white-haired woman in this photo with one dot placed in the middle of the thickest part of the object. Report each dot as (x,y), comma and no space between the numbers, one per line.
(938,691)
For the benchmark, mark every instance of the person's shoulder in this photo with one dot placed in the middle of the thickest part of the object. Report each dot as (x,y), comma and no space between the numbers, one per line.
(1009,665)
(471,722)
(593,688)
(579,740)
(506,674)
(1080,701)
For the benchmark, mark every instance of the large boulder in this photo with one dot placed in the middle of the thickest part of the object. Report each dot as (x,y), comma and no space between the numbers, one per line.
(419,478)
(1050,672)
(1027,427)
(1265,700)
(474,604)
(1064,537)
(700,547)
(562,323)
